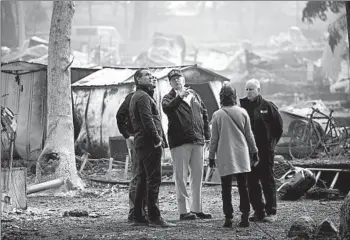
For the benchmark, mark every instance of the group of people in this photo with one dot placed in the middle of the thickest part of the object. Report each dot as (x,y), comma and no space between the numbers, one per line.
(241,145)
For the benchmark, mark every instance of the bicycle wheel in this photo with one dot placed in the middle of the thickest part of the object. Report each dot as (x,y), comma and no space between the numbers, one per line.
(303,142)
(335,141)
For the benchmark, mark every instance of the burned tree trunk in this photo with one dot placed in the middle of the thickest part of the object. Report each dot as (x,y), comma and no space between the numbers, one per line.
(344,229)
(58,158)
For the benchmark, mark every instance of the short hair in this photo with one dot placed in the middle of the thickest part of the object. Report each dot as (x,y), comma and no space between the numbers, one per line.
(228,95)
(254,82)
(138,75)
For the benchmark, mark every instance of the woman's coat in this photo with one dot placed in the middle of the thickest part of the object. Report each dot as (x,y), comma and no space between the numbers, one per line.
(229,143)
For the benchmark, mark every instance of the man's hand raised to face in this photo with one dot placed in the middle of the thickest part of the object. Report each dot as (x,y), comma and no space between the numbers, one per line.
(184,93)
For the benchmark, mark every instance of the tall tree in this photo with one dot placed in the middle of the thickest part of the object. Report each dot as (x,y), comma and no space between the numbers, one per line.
(318,10)
(58,157)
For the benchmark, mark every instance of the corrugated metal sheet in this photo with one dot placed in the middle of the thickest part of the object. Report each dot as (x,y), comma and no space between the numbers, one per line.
(21,67)
(116,76)
(26,99)
(105,77)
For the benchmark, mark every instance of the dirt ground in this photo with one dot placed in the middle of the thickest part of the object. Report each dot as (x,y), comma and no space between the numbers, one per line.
(107,209)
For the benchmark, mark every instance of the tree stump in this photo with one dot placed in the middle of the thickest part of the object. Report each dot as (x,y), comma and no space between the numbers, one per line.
(344,228)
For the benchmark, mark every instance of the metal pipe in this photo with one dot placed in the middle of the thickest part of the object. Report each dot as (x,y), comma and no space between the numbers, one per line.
(45,186)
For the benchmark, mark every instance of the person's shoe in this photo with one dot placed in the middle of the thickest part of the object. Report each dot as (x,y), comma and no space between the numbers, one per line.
(244,220)
(160,222)
(187,216)
(270,218)
(257,217)
(140,222)
(228,222)
(202,215)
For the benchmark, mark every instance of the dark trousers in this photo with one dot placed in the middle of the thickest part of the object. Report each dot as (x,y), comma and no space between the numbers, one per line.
(132,185)
(149,178)
(261,180)
(226,190)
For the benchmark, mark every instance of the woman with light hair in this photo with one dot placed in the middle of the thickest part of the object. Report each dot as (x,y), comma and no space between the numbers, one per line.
(232,142)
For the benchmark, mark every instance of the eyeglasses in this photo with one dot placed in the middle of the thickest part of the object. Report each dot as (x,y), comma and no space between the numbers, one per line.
(249,89)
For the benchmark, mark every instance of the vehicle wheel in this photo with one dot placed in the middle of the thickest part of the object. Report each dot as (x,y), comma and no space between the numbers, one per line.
(303,142)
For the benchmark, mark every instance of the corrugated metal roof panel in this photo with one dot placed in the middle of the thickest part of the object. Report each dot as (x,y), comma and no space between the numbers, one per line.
(21,67)
(106,76)
(116,76)
(157,72)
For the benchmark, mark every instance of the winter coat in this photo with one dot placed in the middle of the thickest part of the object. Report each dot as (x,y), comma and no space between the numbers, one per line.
(187,124)
(145,119)
(231,142)
(266,122)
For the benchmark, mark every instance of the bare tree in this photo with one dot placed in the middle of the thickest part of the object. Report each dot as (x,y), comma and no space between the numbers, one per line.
(58,158)
(318,10)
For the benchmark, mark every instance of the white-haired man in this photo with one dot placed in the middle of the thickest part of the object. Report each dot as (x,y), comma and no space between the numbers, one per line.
(267,127)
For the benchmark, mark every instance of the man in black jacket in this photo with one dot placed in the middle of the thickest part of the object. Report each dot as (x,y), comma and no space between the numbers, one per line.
(188,131)
(267,127)
(126,129)
(149,140)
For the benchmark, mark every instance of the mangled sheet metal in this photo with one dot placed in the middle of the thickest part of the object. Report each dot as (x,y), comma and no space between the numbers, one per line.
(25,96)
(291,39)
(35,50)
(295,183)
(165,50)
(213,59)
(79,60)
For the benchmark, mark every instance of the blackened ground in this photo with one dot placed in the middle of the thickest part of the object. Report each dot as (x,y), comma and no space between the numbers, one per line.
(108,206)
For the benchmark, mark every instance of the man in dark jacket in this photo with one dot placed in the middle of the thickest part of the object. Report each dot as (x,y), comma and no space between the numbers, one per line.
(267,127)
(149,140)
(188,131)
(126,129)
